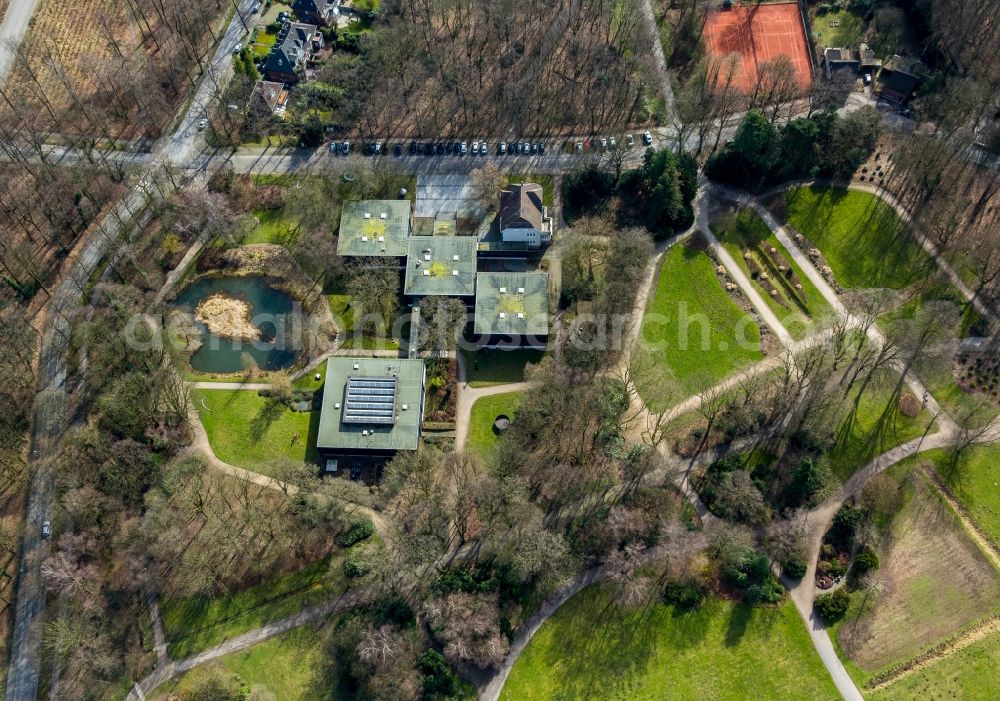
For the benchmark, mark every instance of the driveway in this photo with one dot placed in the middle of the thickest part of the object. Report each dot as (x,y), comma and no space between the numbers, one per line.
(12,30)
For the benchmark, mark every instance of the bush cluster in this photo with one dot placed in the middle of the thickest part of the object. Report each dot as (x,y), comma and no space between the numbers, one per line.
(832,607)
(358,531)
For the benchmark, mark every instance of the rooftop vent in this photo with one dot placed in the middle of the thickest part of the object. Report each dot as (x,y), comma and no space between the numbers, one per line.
(364,238)
(427,256)
(336,405)
(520,315)
(427,272)
(356,366)
(502,315)
(381,239)
(368,215)
(404,407)
(454,273)
(503,290)
(520,290)
(382,215)
(455,257)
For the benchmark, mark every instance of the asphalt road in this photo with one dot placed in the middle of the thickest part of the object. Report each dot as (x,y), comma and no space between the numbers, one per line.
(15,23)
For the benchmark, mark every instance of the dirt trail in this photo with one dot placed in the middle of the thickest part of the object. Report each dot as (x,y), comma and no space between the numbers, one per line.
(987,547)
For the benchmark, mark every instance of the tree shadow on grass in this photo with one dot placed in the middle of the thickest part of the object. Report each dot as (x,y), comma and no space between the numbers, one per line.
(268,414)
(736,626)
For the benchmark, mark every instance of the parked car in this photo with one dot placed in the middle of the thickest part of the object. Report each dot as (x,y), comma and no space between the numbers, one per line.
(604,144)
(377,149)
(202,123)
(612,143)
(629,140)
(238,47)
(256,8)
(517,148)
(541,147)
(334,148)
(439,149)
(579,147)
(484,148)
(46,529)
(397,150)
(345,148)
(283,17)
(647,138)
(502,148)
(429,149)
(463,148)
(475,148)
(868,78)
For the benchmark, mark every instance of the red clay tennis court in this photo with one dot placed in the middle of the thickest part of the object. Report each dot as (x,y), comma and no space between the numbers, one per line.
(776,29)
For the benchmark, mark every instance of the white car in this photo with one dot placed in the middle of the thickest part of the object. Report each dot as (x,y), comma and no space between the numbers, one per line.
(647,138)
(256,8)
(202,123)
(475,148)
(604,144)
(464,148)
(46,529)
(502,148)
(612,142)
(238,47)
(629,140)
(483,146)
(579,147)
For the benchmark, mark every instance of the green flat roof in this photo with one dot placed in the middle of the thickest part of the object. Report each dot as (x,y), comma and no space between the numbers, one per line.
(512,304)
(374,228)
(441,265)
(403,433)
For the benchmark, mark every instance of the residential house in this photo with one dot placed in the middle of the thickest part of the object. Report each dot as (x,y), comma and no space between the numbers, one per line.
(523,218)
(899,78)
(836,60)
(296,44)
(321,12)
(868,64)
(268,97)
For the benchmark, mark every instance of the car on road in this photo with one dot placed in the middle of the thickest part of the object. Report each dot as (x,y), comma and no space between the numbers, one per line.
(238,47)
(502,148)
(202,123)
(463,148)
(629,140)
(46,529)
(397,150)
(256,8)
(647,138)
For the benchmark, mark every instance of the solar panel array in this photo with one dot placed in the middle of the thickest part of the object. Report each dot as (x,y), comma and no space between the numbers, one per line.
(370,400)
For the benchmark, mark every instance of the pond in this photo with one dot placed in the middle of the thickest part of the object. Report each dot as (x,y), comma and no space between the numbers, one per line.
(271,312)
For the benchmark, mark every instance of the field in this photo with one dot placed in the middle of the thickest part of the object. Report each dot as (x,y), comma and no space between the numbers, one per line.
(975,483)
(936,584)
(693,334)
(970,674)
(864,242)
(776,30)
(801,311)
(484,412)
(291,667)
(246,431)
(195,624)
(724,651)
(486,367)
(115,67)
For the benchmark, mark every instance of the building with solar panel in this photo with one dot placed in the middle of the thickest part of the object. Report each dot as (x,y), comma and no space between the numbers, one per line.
(372,408)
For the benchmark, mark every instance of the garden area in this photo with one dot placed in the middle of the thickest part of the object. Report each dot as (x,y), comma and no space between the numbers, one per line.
(723,650)
(251,431)
(931,582)
(483,436)
(693,333)
(793,298)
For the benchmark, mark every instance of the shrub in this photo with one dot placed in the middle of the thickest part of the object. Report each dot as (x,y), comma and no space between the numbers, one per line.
(796,569)
(909,405)
(866,560)
(685,595)
(358,531)
(439,680)
(768,591)
(832,607)
(355,566)
(837,568)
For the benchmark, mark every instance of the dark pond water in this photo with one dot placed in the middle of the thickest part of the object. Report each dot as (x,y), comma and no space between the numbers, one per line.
(271,312)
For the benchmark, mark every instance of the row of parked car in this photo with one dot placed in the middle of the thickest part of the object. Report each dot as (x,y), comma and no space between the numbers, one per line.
(479,148)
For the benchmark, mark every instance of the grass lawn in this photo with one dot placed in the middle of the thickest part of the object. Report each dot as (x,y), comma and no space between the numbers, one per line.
(195,624)
(871,430)
(246,431)
(292,667)
(800,311)
(694,334)
(975,482)
(276,226)
(850,31)
(937,583)
(969,674)
(481,438)
(724,651)
(489,367)
(864,242)
(343,314)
